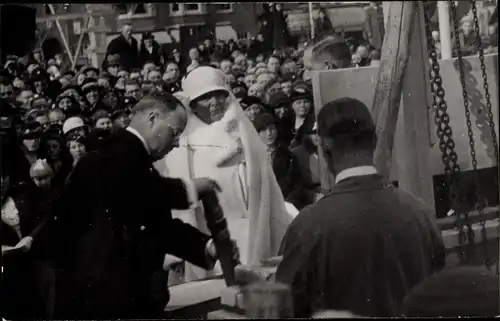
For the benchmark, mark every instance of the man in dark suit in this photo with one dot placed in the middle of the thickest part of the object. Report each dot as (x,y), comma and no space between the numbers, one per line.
(114,224)
(126,46)
(365,245)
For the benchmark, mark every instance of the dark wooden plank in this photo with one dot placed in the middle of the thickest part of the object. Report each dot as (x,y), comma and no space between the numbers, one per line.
(489,213)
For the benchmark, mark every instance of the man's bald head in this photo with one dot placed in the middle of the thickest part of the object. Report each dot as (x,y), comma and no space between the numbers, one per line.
(328,52)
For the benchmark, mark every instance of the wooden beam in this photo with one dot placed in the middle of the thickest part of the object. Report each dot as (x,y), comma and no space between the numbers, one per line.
(61,17)
(390,80)
(63,37)
(80,41)
(413,155)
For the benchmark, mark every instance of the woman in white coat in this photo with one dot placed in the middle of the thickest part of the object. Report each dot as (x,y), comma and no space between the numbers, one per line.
(220,142)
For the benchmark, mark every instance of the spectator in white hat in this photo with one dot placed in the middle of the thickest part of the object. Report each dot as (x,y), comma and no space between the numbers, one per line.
(74,124)
(220,142)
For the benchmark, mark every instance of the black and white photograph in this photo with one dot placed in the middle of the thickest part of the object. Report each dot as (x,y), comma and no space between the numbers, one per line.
(242,160)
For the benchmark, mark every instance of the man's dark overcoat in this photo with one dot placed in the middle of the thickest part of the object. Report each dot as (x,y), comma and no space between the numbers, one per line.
(113,227)
(129,52)
(361,249)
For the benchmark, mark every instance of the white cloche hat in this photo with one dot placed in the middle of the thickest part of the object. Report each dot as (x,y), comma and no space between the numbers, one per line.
(72,123)
(203,80)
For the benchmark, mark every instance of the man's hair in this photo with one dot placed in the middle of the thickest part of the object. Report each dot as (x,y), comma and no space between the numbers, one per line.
(161,101)
(348,123)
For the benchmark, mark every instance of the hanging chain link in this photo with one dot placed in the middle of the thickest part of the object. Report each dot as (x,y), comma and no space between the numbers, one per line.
(485,82)
(490,115)
(470,132)
(445,134)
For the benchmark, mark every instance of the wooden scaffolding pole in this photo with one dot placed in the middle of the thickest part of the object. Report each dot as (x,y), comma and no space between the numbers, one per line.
(63,37)
(403,77)
(390,80)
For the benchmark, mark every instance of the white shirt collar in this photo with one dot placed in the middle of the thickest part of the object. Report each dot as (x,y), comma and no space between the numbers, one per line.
(136,133)
(355,171)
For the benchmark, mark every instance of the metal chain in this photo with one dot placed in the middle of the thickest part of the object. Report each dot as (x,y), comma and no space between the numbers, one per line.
(444,132)
(490,116)
(472,147)
(485,82)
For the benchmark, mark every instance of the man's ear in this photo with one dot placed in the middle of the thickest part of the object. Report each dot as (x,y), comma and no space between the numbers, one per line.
(152,117)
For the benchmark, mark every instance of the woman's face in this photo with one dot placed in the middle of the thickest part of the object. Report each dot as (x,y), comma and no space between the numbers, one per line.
(80,79)
(252,111)
(249,80)
(172,73)
(53,148)
(211,107)
(42,181)
(280,112)
(113,70)
(286,88)
(92,96)
(64,103)
(31,144)
(256,91)
(154,76)
(104,123)
(230,79)
(121,122)
(77,150)
(302,107)
(148,42)
(268,135)
(39,86)
(111,100)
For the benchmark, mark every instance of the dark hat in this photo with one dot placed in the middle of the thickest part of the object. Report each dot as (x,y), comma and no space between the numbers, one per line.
(105,75)
(344,116)
(89,84)
(249,101)
(98,114)
(148,35)
(300,92)
(262,121)
(239,84)
(279,98)
(113,60)
(75,136)
(39,74)
(467,291)
(69,73)
(288,77)
(31,130)
(86,69)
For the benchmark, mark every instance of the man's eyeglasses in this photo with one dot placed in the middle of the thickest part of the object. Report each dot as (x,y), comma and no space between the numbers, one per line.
(177,132)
